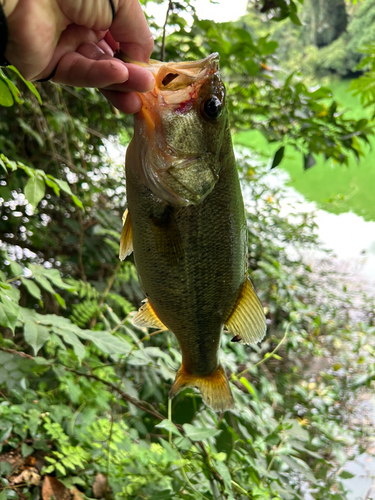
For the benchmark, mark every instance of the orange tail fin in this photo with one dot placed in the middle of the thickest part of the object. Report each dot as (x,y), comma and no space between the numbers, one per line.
(214,387)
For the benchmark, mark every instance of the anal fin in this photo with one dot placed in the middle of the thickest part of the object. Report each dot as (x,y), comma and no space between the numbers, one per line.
(214,387)
(126,240)
(146,317)
(247,320)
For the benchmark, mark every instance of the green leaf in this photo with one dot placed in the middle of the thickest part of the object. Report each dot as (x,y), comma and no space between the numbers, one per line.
(34,190)
(77,201)
(64,186)
(16,93)
(295,19)
(8,313)
(169,426)
(29,85)
(60,300)
(2,164)
(110,344)
(52,184)
(278,157)
(5,469)
(3,495)
(26,450)
(6,98)
(139,358)
(269,47)
(224,473)
(198,433)
(5,435)
(32,288)
(248,386)
(44,283)
(36,335)
(346,474)
(33,89)
(361,124)
(71,338)
(31,132)
(54,276)
(17,270)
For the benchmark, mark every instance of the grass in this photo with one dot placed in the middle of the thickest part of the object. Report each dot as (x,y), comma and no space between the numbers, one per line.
(335,188)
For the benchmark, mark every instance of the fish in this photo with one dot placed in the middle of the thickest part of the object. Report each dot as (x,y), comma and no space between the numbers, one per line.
(186,224)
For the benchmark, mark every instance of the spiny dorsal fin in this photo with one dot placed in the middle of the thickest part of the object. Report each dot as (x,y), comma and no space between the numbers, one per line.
(247,318)
(214,387)
(126,241)
(147,318)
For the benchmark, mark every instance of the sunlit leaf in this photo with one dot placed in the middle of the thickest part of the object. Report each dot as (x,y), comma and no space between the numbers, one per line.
(34,190)
(6,98)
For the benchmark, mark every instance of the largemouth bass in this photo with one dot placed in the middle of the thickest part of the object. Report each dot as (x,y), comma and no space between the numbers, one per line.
(186,224)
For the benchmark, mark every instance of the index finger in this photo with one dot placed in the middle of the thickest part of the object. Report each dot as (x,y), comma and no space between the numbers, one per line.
(131,31)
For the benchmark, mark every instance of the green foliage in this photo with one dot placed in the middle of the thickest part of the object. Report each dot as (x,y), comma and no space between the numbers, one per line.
(83,393)
(303,48)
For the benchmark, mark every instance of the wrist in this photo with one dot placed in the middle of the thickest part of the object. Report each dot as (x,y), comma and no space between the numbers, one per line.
(8,6)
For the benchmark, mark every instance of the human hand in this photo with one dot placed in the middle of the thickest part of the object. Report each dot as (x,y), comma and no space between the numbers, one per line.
(78,39)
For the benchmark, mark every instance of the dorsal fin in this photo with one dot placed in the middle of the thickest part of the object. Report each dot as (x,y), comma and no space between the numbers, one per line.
(126,240)
(146,317)
(247,319)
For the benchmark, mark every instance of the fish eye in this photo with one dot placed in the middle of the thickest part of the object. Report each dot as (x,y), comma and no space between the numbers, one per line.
(211,108)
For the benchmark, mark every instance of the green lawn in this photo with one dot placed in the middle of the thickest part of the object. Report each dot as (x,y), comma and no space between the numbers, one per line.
(335,188)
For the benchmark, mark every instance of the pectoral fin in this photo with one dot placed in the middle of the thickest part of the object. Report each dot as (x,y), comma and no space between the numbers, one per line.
(147,318)
(247,320)
(214,387)
(126,241)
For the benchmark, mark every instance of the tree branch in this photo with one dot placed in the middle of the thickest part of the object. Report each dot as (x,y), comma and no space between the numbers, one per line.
(170,7)
(14,351)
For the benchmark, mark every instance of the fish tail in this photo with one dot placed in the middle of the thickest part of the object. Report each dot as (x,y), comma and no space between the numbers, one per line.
(214,387)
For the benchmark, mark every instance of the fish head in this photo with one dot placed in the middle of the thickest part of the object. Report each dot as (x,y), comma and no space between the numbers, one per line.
(180,130)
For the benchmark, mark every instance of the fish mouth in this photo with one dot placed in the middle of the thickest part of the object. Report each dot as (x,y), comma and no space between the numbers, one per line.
(176,84)
(177,76)
(189,68)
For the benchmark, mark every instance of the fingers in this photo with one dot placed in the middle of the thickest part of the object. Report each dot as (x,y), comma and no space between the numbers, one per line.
(91,66)
(69,41)
(140,80)
(79,71)
(131,30)
(129,103)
